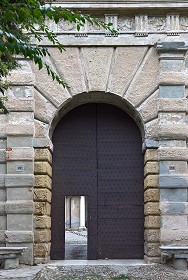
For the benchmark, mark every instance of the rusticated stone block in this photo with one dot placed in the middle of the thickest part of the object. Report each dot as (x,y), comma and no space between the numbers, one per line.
(20,154)
(174,222)
(152,249)
(151,195)
(175,105)
(19,130)
(42,249)
(148,108)
(166,153)
(42,235)
(19,207)
(150,155)
(43,168)
(152,235)
(173,131)
(151,168)
(43,155)
(43,181)
(151,181)
(42,195)
(42,208)
(42,222)
(151,208)
(21,180)
(152,222)
(20,105)
(178,237)
(19,236)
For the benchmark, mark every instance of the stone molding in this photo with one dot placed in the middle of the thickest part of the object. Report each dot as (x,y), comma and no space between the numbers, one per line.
(139,24)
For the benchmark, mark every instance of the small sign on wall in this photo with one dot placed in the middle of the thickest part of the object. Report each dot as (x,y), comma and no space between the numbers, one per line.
(19,167)
(172,168)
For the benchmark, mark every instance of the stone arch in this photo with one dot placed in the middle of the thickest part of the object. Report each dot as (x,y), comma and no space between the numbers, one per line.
(52,103)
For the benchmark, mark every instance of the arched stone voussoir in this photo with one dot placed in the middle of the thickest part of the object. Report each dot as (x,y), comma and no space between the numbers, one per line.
(149,108)
(44,109)
(125,63)
(146,79)
(41,129)
(97,62)
(69,65)
(97,97)
(52,91)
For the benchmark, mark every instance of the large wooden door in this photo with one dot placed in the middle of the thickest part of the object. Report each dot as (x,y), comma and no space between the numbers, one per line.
(98,154)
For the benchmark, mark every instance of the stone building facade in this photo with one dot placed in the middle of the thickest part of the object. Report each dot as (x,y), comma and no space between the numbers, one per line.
(144,71)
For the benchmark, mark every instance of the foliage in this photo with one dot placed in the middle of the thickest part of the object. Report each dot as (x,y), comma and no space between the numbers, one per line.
(22,19)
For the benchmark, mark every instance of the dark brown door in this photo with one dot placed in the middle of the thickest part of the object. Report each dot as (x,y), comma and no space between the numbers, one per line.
(97,153)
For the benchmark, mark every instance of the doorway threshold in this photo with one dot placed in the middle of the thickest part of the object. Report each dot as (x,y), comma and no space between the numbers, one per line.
(115,262)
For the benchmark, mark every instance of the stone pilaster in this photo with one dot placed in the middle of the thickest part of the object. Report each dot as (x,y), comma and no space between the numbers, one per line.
(42,199)
(151,207)
(172,152)
(19,178)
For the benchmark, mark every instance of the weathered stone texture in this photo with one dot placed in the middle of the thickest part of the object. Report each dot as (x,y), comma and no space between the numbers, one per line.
(123,71)
(145,81)
(42,208)
(174,222)
(172,105)
(173,153)
(152,249)
(94,60)
(24,193)
(151,208)
(41,129)
(149,108)
(21,180)
(19,207)
(19,236)
(20,105)
(44,110)
(51,90)
(43,155)
(42,222)
(42,195)
(70,67)
(151,168)
(43,181)
(151,195)
(42,249)
(43,168)
(20,154)
(152,222)
(20,222)
(173,131)
(150,155)
(22,75)
(152,235)
(174,236)
(152,129)
(42,235)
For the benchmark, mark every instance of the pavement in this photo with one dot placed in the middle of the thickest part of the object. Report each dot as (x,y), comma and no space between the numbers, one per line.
(76,266)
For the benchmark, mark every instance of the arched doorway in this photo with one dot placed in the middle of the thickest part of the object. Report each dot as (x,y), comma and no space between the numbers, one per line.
(98,154)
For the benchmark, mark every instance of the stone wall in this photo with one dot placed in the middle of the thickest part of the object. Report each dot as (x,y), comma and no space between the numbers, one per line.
(129,71)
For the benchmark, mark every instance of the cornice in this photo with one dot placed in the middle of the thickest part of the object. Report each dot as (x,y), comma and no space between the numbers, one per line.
(121,4)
